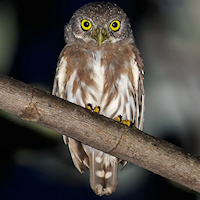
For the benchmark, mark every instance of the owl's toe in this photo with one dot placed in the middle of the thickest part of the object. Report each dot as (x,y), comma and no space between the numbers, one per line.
(118,118)
(96,109)
(126,122)
(89,106)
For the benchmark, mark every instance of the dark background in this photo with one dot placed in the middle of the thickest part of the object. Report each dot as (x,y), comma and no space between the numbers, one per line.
(34,162)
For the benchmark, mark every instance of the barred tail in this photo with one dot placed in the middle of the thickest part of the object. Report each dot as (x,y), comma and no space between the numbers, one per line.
(103,172)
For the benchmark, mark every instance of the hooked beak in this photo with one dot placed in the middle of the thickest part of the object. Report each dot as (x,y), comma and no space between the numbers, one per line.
(100,34)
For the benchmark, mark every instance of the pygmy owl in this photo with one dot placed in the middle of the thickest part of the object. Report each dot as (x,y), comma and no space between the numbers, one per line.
(100,66)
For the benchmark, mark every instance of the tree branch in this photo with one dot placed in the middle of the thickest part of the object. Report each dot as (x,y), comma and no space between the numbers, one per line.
(105,134)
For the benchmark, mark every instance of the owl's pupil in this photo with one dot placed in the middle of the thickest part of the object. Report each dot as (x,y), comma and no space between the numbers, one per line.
(86,24)
(114,24)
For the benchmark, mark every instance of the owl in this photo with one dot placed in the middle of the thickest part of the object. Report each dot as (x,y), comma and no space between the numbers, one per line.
(100,67)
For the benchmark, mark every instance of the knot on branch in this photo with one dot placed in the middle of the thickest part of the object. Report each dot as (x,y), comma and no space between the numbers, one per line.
(31,113)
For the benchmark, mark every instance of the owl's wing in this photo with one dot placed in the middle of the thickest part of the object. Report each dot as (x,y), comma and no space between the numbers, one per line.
(141,99)
(79,157)
(137,70)
(137,92)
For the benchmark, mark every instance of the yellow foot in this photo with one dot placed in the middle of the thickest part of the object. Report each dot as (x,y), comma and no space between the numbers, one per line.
(118,118)
(96,109)
(126,122)
(89,106)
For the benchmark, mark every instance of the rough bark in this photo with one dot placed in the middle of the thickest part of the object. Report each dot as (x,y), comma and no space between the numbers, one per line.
(127,143)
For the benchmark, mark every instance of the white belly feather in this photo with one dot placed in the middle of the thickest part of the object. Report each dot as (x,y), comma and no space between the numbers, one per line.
(117,105)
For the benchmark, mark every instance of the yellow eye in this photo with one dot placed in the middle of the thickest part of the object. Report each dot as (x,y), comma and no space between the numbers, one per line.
(115,25)
(86,24)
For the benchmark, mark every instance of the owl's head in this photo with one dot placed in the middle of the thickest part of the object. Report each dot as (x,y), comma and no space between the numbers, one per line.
(99,23)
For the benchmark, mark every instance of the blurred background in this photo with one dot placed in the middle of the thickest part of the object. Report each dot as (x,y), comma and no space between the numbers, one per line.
(34,162)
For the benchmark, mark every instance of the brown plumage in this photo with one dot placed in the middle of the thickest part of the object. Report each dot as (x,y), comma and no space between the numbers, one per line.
(100,65)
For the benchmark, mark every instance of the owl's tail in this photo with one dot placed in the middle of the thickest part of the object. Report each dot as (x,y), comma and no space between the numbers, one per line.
(103,172)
